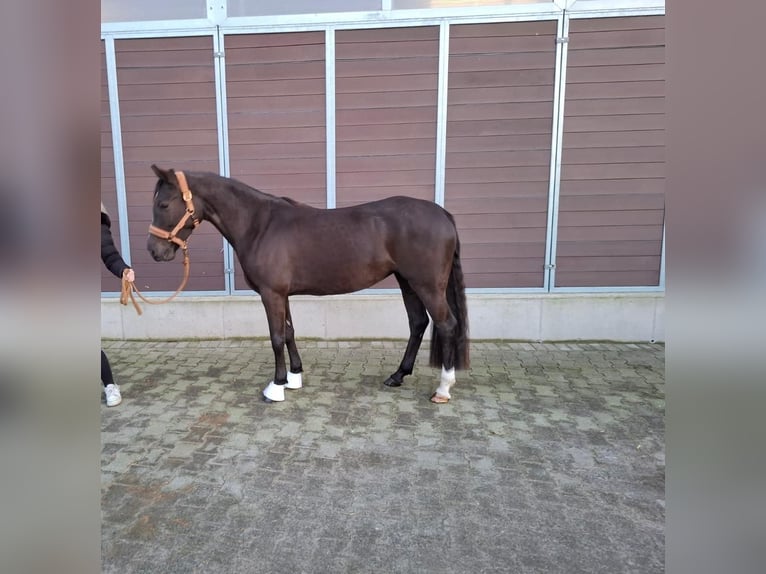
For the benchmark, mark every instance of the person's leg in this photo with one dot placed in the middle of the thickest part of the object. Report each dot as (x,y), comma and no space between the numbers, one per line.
(111,390)
(106,370)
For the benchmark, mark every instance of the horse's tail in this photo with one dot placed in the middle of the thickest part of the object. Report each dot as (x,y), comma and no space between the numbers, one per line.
(457,304)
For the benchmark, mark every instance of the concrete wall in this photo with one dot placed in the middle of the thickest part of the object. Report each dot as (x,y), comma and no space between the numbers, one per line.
(534,317)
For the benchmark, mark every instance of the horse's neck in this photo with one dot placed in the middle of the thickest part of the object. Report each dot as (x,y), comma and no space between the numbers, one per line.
(235,210)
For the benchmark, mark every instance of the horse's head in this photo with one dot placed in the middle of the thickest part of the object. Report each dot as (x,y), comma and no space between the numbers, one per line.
(173,215)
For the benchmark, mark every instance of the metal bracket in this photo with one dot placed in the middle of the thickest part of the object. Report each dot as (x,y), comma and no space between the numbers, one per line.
(562,40)
(549,266)
(218,54)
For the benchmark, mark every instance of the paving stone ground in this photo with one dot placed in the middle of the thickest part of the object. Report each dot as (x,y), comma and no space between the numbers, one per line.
(549,458)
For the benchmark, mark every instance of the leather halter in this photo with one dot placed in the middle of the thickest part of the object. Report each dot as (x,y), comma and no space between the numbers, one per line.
(186,194)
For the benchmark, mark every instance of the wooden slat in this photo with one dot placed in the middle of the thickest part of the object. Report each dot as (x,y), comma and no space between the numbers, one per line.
(168,117)
(611,205)
(276,105)
(385,113)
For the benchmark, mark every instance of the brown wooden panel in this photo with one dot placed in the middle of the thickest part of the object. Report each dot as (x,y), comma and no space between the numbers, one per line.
(163,58)
(395,67)
(507,206)
(611,206)
(615,186)
(625,217)
(617,38)
(387,35)
(489,45)
(611,202)
(489,111)
(616,56)
(385,147)
(500,94)
(642,138)
(498,78)
(624,23)
(502,30)
(501,61)
(590,155)
(618,106)
(395,131)
(497,174)
(238,135)
(384,99)
(168,117)
(614,123)
(498,127)
(480,251)
(608,248)
(610,278)
(458,159)
(455,191)
(398,115)
(505,142)
(500,107)
(159,45)
(383,49)
(613,171)
(610,233)
(596,90)
(276,107)
(626,263)
(187,74)
(501,220)
(631,73)
(234,41)
(278,71)
(386,113)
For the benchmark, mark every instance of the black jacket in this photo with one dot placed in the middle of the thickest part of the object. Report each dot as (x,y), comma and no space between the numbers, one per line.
(109,254)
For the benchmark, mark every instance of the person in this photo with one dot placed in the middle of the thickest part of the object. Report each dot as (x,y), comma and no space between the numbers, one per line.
(116,264)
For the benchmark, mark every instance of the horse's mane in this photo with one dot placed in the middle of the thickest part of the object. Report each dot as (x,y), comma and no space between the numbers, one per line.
(262,194)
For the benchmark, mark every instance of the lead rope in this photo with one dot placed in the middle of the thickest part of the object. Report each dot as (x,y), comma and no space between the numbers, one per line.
(129,287)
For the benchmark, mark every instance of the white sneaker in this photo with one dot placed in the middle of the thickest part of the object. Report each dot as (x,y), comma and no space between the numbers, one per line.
(113,397)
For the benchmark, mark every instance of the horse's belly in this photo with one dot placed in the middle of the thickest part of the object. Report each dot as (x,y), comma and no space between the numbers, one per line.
(339,274)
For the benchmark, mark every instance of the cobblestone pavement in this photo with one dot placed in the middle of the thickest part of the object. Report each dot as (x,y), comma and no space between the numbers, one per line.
(549,458)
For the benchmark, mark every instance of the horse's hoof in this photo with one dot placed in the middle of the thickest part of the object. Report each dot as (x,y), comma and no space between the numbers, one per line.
(437,398)
(391,382)
(267,400)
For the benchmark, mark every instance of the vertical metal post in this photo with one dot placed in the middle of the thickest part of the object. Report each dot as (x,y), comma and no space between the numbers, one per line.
(330,113)
(559,93)
(662,258)
(119,162)
(222,117)
(441,115)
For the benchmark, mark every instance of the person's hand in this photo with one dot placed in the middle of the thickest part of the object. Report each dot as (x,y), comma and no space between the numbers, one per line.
(129,275)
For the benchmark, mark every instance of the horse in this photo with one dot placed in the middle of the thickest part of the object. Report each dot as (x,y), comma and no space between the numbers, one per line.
(288,248)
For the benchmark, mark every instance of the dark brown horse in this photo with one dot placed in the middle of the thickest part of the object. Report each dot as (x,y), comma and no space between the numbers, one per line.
(288,248)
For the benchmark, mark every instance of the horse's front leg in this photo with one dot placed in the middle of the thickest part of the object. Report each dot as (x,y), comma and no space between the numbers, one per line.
(275,305)
(294,376)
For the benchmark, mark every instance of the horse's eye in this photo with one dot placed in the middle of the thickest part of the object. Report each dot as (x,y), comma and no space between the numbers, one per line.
(163,205)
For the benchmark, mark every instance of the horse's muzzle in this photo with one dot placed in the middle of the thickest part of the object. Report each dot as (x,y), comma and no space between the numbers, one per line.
(160,249)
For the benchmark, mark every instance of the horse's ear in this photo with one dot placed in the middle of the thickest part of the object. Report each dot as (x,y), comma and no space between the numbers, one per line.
(164,174)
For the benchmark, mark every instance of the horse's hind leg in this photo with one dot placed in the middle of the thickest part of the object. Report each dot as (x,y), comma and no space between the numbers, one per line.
(418,319)
(445,325)
(294,377)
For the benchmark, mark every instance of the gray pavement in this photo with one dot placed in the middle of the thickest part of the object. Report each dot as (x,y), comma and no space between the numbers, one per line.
(549,458)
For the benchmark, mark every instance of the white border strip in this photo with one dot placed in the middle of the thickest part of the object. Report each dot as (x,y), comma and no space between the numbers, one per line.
(119,162)
(440,178)
(553,205)
(330,114)
(556,137)
(222,113)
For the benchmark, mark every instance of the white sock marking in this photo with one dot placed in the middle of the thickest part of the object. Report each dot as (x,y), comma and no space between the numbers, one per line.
(447,380)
